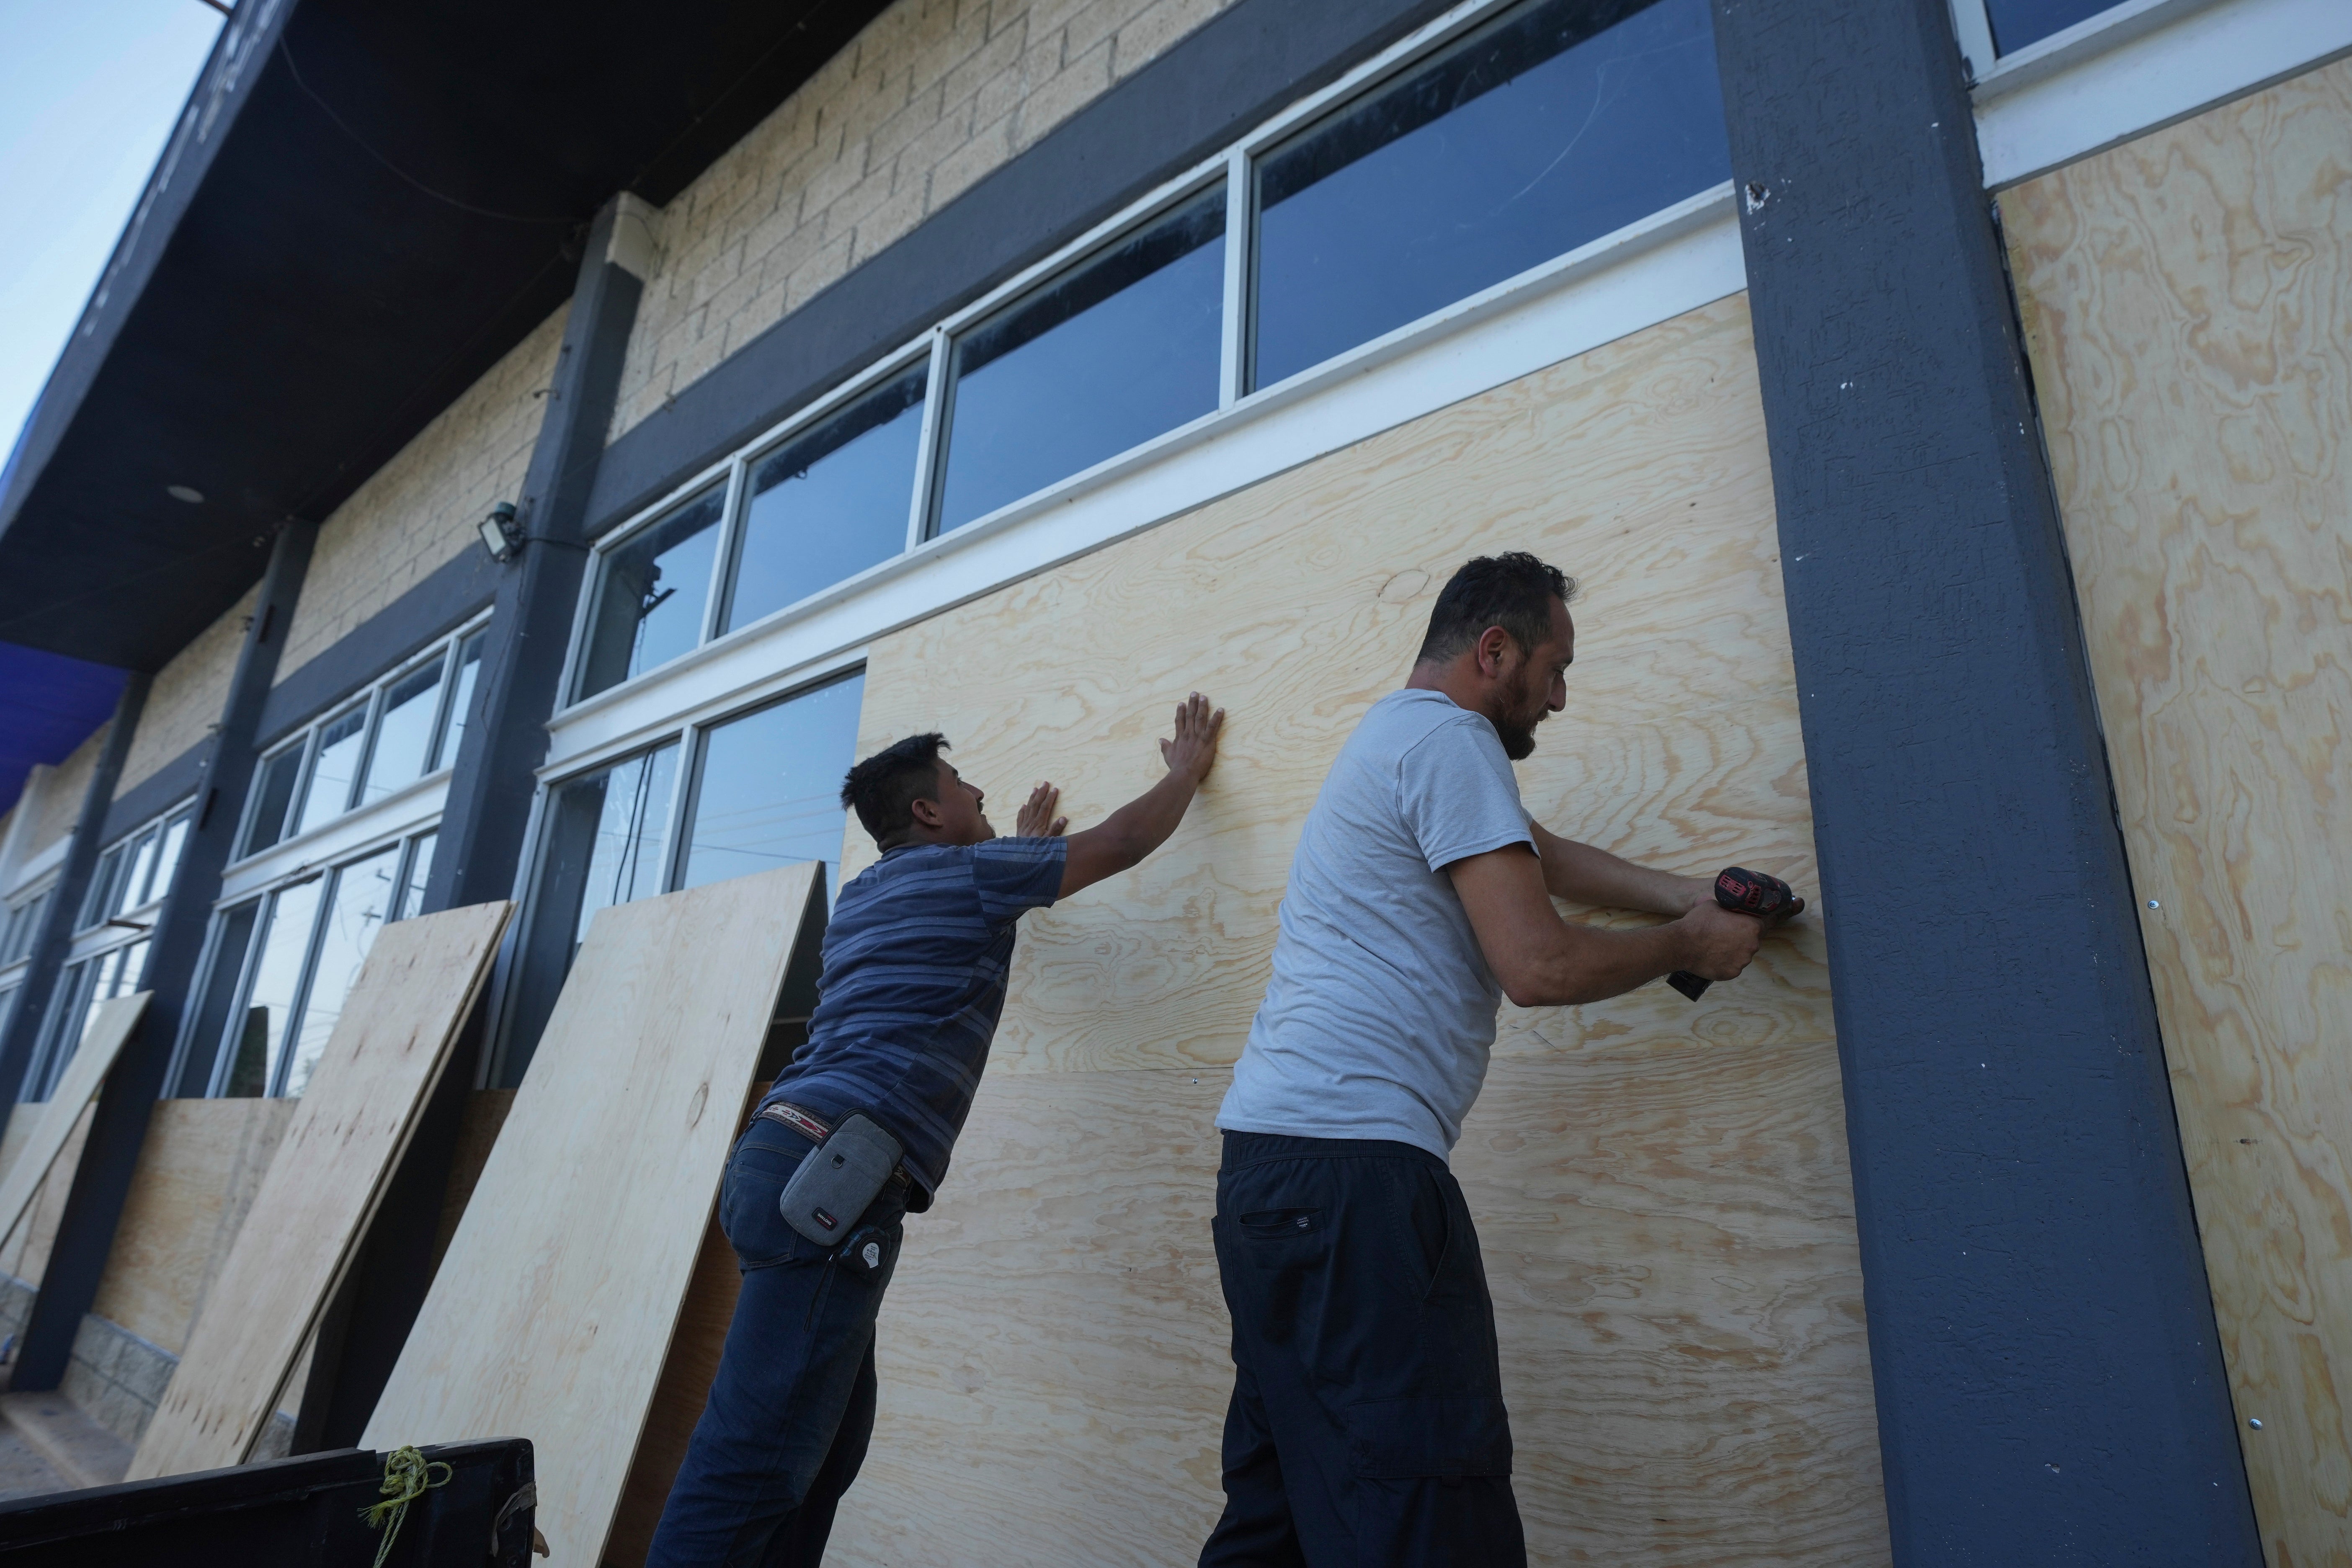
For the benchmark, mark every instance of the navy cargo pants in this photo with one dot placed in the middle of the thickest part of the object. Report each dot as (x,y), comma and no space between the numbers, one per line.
(1367,1428)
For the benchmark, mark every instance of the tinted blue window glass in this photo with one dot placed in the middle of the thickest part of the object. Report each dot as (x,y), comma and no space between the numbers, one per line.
(2017,23)
(770,794)
(1102,359)
(1551,127)
(275,790)
(651,595)
(831,503)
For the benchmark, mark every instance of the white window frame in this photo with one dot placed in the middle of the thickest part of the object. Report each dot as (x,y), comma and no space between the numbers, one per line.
(330,871)
(397,812)
(1693,245)
(2130,70)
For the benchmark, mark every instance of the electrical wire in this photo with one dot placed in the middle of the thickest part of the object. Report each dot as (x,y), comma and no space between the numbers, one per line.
(361,143)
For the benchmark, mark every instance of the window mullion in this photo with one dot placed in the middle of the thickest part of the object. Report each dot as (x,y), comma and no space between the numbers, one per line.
(932,447)
(1973,24)
(731,510)
(1233,369)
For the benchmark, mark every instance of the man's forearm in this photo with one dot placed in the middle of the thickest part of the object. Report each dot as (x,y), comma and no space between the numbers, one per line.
(1590,876)
(1591,966)
(1145,823)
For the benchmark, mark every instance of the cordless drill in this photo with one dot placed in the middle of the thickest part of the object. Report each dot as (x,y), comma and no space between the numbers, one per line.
(1743,892)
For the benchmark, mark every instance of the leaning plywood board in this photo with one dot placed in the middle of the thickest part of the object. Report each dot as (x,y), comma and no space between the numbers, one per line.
(1663,1186)
(345,1138)
(553,1309)
(2188,301)
(91,1061)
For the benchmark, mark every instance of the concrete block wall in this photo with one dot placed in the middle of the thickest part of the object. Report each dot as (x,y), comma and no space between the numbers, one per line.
(185,702)
(61,793)
(419,511)
(930,96)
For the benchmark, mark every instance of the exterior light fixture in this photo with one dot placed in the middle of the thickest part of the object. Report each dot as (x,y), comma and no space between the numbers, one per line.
(501,533)
(188,493)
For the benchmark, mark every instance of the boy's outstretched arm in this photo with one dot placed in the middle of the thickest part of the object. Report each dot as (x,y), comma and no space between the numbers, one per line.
(1124,837)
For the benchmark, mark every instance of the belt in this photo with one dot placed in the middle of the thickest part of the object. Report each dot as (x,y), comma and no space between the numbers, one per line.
(816,1130)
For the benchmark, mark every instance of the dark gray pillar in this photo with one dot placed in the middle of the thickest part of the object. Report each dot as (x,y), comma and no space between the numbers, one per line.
(2049,1386)
(478,854)
(480,849)
(86,1231)
(55,933)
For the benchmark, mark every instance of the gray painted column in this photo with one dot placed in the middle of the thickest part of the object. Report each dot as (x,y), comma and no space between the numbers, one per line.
(478,855)
(55,933)
(102,1179)
(2049,1386)
(479,851)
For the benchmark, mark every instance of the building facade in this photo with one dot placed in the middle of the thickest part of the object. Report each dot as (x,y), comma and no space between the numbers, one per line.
(1945,403)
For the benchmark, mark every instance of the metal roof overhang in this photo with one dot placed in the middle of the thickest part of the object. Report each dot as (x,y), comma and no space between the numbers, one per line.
(365,204)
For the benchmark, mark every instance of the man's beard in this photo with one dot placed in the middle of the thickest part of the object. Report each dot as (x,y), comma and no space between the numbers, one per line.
(1519,735)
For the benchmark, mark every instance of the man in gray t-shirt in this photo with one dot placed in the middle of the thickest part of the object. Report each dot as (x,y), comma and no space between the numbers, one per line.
(1367,1421)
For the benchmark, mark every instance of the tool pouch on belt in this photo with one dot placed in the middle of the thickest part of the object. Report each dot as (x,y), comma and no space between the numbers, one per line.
(838,1179)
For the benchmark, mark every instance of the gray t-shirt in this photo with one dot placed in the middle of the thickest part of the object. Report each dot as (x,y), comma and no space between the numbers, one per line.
(1378,1018)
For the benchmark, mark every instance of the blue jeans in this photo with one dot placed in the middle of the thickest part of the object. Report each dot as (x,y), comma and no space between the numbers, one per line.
(789,1415)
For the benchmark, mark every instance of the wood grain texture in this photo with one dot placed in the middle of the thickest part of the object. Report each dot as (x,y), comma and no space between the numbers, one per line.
(553,1311)
(26,1251)
(77,1087)
(683,1387)
(1668,1211)
(198,1173)
(344,1138)
(2188,301)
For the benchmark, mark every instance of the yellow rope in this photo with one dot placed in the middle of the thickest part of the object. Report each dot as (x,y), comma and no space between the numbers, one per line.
(406,1477)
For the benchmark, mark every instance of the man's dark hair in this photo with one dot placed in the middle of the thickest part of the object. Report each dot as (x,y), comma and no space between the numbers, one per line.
(883,789)
(1513,591)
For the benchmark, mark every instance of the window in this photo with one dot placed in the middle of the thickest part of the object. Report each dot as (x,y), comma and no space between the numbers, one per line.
(73,1007)
(1543,130)
(403,752)
(1537,129)
(24,925)
(356,909)
(651,592)
(601,846)
(828,505)
(136,870)
(1120,349)
(405,728)
(767,792)
(281,967)
(2017,23)
(461,700)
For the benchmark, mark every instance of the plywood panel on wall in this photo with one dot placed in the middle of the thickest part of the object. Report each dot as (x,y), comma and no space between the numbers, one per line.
(197,1173)
(2188,301)
(1663,1186)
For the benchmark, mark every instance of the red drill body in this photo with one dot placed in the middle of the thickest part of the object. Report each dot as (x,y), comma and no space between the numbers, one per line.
(1743,892)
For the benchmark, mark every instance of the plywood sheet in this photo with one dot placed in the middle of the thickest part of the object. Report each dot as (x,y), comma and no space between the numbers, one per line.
(25,1252)
(1689,1343)
(2188,301)
(553,1312)
(683,1388)
(75,1088)
(198,1173)
(344,1138)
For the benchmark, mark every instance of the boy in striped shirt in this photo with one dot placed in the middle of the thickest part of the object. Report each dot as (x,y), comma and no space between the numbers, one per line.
(915,963)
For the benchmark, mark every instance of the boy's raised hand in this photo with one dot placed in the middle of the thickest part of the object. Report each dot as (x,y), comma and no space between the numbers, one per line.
(1193,751)
(1036,818)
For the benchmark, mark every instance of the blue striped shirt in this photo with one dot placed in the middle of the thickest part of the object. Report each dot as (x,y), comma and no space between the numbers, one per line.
(915,963)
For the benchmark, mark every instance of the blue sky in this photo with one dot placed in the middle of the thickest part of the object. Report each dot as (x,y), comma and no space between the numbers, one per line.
(88,91)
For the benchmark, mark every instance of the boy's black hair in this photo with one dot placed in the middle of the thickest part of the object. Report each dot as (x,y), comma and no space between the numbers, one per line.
(883,789)
(1513,591)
